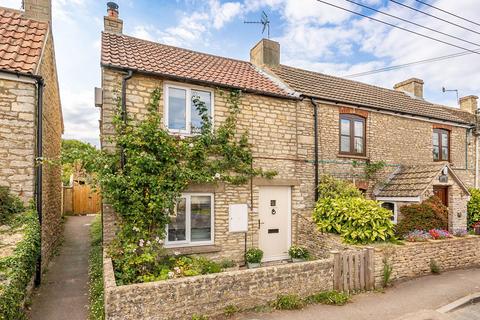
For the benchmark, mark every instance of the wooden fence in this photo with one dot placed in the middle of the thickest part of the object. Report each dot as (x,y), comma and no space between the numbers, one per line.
(353,270)
(80,200)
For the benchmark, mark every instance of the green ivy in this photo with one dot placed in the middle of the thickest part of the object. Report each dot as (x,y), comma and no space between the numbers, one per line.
(159,167)
(17,270)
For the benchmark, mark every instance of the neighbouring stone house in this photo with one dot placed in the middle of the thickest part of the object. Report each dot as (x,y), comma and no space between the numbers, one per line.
(28,86)
(302,124)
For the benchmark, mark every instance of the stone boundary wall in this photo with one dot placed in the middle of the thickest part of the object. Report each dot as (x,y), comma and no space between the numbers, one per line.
(210,294)
(413,259)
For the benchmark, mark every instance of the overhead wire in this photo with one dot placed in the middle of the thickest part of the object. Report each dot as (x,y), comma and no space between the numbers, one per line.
(448,12)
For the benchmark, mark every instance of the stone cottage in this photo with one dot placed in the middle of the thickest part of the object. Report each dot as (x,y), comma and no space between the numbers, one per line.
(302,124)
(31,122)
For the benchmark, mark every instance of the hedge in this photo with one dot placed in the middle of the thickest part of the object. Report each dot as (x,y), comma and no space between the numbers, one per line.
(18,269)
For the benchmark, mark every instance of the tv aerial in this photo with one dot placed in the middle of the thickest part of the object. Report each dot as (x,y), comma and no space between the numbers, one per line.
(263,21)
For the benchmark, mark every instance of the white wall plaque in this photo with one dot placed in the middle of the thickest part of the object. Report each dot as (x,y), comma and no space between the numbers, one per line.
(238,218)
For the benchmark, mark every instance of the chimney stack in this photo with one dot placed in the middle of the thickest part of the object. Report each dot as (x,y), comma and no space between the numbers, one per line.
(40,10)
(413,87)
(265,53)
(111,21)
(469,104)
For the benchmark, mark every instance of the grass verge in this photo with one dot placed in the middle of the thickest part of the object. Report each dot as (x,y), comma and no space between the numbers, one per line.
(95,271)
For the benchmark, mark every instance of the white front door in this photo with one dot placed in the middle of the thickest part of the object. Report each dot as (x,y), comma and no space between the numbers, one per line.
(275,222)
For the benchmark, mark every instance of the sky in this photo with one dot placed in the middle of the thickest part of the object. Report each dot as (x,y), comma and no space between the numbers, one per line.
(312,35)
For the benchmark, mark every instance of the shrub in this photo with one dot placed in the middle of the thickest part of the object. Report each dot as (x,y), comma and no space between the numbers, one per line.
(330,187)
(297,252)
(95,272)
(288,302)
(357,220)
(9,205)
(19,269)
(225,264)
(438,234)
(254,255)
(330,297)
(430,214)
(417,236)
(434,267)
(473,207)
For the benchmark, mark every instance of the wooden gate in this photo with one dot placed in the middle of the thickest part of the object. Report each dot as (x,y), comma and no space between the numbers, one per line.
(81,199)
(353,270)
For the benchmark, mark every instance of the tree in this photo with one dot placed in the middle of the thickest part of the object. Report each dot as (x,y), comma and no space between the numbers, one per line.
(77,156)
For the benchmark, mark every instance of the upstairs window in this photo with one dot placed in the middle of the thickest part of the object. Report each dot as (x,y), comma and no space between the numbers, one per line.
(352,135)
(441,145)
(181,114)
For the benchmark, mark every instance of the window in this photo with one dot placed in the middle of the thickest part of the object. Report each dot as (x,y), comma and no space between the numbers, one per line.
(392,207)
(193,221)
(441,145)
(352,135)
(181,114)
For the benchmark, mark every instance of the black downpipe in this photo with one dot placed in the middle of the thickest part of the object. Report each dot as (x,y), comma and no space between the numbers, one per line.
(315,133)
(39,174)
(127,77)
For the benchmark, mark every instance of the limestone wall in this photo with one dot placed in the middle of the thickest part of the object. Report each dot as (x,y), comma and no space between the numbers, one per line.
(413,259)
(210,294)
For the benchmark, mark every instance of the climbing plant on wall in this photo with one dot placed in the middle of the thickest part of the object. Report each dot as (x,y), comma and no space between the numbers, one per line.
(159,166)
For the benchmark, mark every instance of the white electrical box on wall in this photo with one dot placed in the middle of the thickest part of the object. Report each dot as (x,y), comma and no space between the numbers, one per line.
(238,218)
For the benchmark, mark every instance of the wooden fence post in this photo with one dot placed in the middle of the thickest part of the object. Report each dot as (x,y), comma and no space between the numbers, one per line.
(337,270)
(370,268)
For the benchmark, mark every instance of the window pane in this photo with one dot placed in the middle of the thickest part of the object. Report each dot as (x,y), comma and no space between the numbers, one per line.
(436,153)
(444,139)
(177,226)
(444,153)
(201,218)
(207,99)
(345,144)
(359,145)
(345,127)
(358,128)
(177,101)
(435,139)
(390,206)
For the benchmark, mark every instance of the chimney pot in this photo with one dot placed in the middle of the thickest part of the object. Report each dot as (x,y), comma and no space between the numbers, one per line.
(265,53)
(111,21)
(469,104)
(413,87)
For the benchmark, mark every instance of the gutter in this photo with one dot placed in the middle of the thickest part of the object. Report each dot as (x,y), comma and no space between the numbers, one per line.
(127,77)
(315,134)
(39,82)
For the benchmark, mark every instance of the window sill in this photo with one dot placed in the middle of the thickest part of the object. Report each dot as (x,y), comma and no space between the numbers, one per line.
(352,156)
(194,249)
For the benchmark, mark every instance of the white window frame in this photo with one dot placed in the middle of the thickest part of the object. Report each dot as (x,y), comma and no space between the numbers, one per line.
(188,223)
(395,211)
(188,106)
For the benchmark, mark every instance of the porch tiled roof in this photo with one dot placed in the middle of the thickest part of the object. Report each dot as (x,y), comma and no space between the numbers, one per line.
(410,181)
(177,63)
(21,41)
(324,86)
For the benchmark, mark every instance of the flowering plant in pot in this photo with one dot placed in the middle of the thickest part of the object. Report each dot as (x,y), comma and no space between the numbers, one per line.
(254,257)
(298,254)
(476,228)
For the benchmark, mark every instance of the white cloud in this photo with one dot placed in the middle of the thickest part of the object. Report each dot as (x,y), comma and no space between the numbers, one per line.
(224,13)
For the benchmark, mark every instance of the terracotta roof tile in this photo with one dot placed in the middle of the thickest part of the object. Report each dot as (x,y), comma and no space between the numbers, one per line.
(21,41)
(352,92)
(128,52)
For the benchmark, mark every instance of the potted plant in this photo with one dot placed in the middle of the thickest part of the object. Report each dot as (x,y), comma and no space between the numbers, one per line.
(254,257)
(298,254)
(476,228)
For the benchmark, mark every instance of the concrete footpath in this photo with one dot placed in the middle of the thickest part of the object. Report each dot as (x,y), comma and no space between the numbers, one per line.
(64,290)
(416,298)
